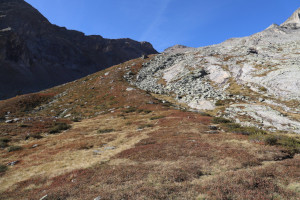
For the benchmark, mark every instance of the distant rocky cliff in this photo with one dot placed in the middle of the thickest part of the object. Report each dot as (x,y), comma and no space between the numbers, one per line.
(253,80)
(34,54)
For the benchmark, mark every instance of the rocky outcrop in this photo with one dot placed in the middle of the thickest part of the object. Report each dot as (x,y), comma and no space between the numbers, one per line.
(34,54)
(253,80)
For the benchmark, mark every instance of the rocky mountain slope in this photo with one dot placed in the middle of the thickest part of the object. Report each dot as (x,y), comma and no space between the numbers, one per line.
(34,54)
(254,80)
(101,138)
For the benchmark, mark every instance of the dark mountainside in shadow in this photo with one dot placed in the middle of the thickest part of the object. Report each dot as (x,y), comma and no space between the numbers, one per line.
(35,54)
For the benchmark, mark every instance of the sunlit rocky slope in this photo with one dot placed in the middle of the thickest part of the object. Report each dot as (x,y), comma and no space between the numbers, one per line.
(254,80)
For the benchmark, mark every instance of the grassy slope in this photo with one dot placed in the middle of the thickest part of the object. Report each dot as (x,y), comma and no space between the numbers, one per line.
(159,152)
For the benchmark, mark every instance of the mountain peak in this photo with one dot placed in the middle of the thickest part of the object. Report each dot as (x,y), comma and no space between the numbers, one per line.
(294,19)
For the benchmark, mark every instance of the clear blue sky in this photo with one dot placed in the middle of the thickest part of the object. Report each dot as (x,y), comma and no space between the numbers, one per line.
(165,23)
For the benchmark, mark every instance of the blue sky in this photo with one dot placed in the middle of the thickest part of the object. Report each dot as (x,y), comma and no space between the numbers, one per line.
(165,23)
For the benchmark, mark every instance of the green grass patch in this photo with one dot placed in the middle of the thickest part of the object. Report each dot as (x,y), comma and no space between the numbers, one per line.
(108,130)
(58,127)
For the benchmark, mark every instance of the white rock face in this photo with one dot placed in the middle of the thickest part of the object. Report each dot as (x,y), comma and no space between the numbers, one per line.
(294,19)
(265,65)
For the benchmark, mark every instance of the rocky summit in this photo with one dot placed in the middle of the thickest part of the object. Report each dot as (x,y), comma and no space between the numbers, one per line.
(254,80)
(35,54)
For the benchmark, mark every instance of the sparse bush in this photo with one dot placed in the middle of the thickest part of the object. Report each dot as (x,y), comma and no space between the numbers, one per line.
(248,131)
(130,110)
(4,139)
(76,119)
(157,117)
(220,120)
(263,89)
(3,142)
(14,148)
(3,168)
(219,103)
(145,126)
(232,126)
(204,114)
(147,111)
(23,125)
(58,127)
(108,130)
(36,136)
(271,140)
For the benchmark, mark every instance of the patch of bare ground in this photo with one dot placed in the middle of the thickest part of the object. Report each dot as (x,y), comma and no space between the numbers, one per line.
(129,145)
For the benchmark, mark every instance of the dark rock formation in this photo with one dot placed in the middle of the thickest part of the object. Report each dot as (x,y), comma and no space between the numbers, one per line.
(34,54)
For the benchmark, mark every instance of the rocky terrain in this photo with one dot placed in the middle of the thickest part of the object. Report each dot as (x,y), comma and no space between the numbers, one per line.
(254,80)
(35,54)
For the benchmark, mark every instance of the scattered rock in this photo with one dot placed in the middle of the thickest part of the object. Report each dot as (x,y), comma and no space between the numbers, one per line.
(44,197)
(98,198)
(109,148)
(13,163)
(97,152)
(129,89)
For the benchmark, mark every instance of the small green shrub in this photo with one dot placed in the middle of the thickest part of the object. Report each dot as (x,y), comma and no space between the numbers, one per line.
(220,120)
(271,140)
(157,117)
(248,131)
(219,103)
(3,168)
(14,148)
(76,119)
(204,114)
(4,139)
(3,142)
(263,89)
(23,125)
(108,130)
(130,110)
(145,126)
(58,127)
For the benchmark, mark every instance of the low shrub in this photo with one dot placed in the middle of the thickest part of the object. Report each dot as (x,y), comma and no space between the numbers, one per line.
(108,130)
(130,110)
(14,148)
(220,120)
(3,168)
(145,126)
(58,127)
(3,142)
(157,117)
(271,140)
(248,130)
(219,103)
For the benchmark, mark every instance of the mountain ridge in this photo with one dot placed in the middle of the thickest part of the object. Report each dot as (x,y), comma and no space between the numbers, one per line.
(36,54)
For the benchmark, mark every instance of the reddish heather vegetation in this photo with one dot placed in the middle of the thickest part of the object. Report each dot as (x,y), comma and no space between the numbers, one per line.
(129,145)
